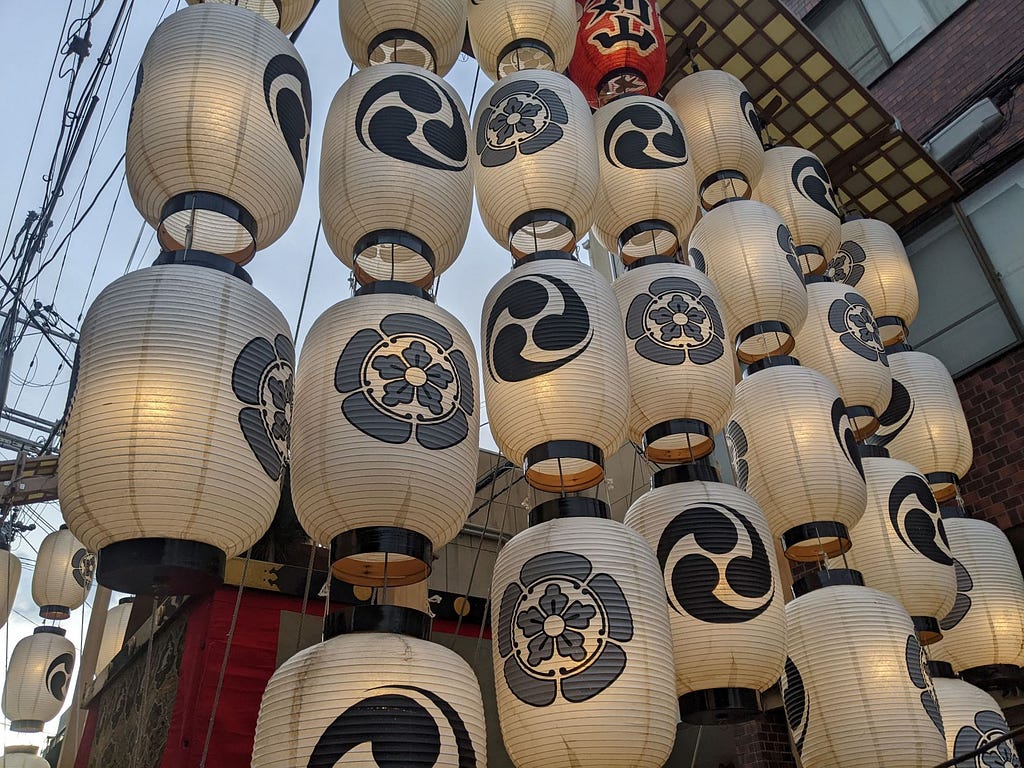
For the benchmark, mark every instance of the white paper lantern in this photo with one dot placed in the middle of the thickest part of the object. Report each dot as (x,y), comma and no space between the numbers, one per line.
(10,577)
(723,131)
(386,435)
(38,675)
(286,15)
(218,132)
(900,545)
(535,163)
(840,339)
(22,756)
(795,183)
(647,198)
(681,377)
(396,188)
(555,372)
(175,447)
(423,33)
(924,423)
(512,35)
(793,450)
(856,687)
(114,632)
(973,719)
(746,250)
(410,701)
(871,258)
(62,575)
(985,627)
(582,649)
(725,598)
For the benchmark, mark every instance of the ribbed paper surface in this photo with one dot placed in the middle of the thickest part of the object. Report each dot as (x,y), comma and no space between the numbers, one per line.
(972,718)
(286,15)
(441,22)
(38,677)
(494,25)
(10,577)
(63,571)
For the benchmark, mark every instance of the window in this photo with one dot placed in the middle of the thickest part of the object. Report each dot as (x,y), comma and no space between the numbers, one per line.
(867,36)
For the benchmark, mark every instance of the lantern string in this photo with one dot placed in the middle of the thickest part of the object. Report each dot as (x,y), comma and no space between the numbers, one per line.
(302,304)
(305,592)
(224,660)
(487,599)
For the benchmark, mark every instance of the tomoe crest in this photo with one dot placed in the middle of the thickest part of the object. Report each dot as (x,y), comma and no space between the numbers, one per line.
(58,675)
(914,516)
(644,136)
(290,102)
(811,180)
(402,727)
(537,324)
(411,118)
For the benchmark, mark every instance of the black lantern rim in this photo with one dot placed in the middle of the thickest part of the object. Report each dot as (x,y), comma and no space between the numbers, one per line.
(697,471)
(813,279)
(807,253)
(648,261)
(569,506)
(395,237)
(700,440)
(544,256)
(808,542)
(892,330)
(831,577)
(126,600)
(863,420)
(726,174)
(212,203)
(867,451)
(194,258)
(394,35)
(27,726)
(941,669)
(720,706)
(641,227)
(993,677)
(394,288)
(392,619)
(59,631)
(785,340)
(55,612)
(525,43)
(954,511)
(772,361)
(944,485)
(927,629)
(539,216)
(160,566)
(356,556)
(536,466)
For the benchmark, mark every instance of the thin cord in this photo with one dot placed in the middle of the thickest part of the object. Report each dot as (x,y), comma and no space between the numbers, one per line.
(305,596)
(305,290)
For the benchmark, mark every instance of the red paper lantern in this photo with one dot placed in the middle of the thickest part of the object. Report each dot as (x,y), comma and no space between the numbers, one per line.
(620,49)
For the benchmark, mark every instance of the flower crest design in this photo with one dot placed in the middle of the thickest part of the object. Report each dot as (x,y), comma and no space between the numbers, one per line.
(674,320)
(83,567)
(561,628)
(736,444)
(264,381)
(988,726)
(521,116)
(848,264)
(851,318)
(917,668)
(406,377)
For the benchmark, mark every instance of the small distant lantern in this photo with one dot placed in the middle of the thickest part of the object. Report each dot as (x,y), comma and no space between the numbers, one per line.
(176,443)
(725,599)
(423,33)
(724,133)
(37,681)
(924,423)
(973,719)
(386,433)
(286,15)
(871,258)
(512,35)
(795,183)
(681,376)
(10,577)
(900,545)
(983,634)
(22,756)
(555,372)
(840,339)
(396,199)
(381,688)
(114,632)
(647,198)
(855,668)
(620,49)
(746,250)
(793,450)
(62,576)
(581,636)
(535,166)
(218,132)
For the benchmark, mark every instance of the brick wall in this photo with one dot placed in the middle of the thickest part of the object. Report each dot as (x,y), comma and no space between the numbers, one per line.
(993,399)
(764,743)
